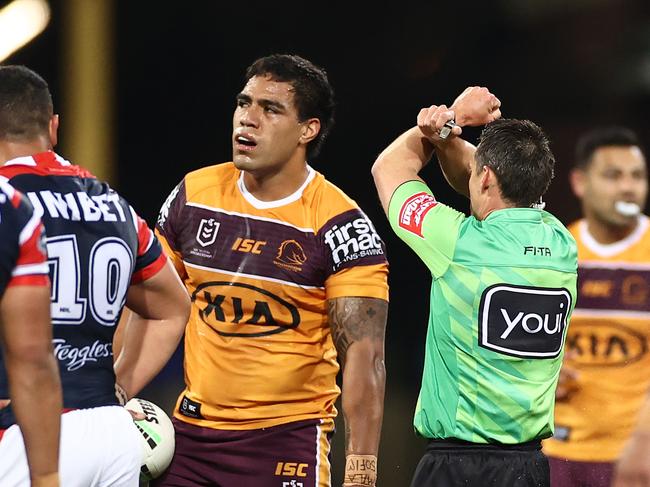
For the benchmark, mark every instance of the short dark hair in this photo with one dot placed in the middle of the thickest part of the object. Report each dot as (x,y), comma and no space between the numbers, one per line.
(313,94)
(25,104)
(519,153)
(593,140)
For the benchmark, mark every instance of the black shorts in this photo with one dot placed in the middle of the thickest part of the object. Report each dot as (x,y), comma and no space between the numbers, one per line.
(452,463)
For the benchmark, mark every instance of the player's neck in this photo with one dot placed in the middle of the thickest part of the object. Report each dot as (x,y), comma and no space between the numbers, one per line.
(276,185)
(608,234)
(11,150)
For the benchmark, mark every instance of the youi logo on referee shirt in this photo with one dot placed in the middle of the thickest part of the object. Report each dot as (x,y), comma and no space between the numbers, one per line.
(523,321)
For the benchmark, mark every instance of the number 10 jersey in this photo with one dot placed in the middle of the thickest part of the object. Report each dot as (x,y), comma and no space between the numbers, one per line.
(97,246)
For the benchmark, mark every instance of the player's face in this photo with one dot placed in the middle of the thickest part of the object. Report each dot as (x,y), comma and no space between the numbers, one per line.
(266,129)
(616,174)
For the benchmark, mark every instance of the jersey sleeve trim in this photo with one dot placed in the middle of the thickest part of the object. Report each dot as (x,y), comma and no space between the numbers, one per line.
(149,271)
(31,269)
(369,281)
(352,291)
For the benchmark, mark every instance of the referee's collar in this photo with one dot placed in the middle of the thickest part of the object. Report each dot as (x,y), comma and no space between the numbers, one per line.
(519,214)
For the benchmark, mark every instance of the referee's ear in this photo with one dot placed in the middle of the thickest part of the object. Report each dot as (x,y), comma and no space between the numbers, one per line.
(53,130)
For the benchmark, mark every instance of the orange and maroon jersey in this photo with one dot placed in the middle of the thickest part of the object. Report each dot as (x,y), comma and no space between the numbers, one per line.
(609,336)
(258,348)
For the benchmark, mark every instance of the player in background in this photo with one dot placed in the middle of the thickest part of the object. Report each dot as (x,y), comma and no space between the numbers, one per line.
(26,336)
(503,288)
(288,279)
(101,256)
(605,377)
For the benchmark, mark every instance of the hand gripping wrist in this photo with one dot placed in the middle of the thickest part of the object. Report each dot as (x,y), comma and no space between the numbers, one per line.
(360,470)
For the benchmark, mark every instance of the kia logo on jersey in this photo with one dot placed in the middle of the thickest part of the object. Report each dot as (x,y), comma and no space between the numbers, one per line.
(237,309)
(207,232)
(523,321)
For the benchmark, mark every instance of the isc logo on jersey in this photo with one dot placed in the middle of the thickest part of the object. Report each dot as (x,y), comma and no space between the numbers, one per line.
(352,240)
(523,321)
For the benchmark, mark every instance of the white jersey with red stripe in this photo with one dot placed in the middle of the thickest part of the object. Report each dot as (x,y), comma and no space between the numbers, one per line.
(97,246)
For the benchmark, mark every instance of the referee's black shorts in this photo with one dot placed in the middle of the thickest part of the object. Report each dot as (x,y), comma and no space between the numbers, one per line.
(451,463)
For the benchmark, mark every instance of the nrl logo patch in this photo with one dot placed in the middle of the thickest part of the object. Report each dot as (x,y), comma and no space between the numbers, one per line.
(207,232)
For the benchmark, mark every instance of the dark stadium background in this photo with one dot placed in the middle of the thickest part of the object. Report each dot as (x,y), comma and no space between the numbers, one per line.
(174,69)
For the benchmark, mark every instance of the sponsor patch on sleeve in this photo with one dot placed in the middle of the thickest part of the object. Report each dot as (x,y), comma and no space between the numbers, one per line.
(351,239)
(413,211)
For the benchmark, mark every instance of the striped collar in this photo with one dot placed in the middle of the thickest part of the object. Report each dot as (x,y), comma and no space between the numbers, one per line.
(48,158)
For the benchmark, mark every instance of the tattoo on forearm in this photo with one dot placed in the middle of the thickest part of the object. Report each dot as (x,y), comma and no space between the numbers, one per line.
(353,319)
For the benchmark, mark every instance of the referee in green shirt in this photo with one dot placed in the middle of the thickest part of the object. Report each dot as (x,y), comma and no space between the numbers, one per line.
(503,289)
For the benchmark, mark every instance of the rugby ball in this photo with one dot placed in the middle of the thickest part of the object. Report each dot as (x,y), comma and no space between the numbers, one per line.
(157,438)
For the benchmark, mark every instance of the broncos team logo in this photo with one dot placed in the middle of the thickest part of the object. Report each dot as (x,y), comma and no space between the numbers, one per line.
(290,256)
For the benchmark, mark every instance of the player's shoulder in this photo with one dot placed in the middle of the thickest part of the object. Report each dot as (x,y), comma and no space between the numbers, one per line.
(330,190)
(209,177)
(15,209)
(574,228)
(327,199)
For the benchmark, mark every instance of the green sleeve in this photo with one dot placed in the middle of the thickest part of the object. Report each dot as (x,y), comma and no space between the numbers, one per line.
(430,228)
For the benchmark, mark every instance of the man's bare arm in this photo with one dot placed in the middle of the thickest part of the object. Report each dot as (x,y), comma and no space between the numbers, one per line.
(402,160)
(160,307)
(358,330)
(35,386)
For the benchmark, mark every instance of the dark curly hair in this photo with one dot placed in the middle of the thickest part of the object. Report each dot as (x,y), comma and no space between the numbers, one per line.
(313,94)
(593,140)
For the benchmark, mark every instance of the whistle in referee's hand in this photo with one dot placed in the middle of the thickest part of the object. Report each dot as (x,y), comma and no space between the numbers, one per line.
(446,129)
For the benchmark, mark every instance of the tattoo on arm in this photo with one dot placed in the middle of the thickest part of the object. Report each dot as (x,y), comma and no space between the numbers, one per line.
(353,319)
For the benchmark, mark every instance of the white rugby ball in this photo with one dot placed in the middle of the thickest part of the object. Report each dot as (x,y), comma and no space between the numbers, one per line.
(157,434)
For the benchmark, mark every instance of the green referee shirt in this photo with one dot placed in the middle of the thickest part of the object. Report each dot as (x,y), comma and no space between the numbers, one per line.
(502,294)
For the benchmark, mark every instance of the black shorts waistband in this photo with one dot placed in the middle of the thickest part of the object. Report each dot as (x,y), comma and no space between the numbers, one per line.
(456,444)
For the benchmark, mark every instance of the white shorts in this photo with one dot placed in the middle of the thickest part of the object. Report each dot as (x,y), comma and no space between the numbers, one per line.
(100,447)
